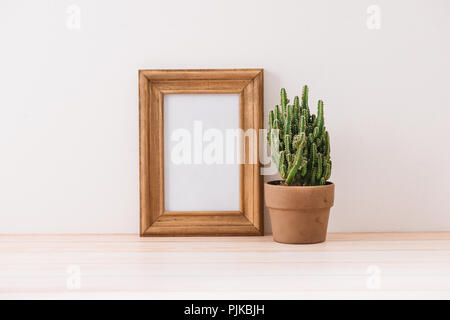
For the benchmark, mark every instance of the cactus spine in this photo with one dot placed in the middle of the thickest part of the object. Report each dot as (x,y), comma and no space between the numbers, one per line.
(299,142)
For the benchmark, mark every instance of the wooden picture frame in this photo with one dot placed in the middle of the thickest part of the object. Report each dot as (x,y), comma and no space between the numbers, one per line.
(154,220)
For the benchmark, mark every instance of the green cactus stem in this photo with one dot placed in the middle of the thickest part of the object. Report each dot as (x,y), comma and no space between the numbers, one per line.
(299,142)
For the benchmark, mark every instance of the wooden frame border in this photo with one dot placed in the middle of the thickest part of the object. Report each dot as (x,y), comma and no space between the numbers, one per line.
(154,220)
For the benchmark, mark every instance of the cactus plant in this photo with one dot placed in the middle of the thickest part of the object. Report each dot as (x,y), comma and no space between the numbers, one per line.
(299,142)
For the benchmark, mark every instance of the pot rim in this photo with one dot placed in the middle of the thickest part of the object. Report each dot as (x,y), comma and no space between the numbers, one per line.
(269,183)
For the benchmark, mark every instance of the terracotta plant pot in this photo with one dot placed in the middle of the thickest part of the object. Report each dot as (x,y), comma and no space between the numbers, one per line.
(299,214)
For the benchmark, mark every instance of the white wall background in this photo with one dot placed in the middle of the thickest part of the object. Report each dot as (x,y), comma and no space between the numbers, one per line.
(69,101)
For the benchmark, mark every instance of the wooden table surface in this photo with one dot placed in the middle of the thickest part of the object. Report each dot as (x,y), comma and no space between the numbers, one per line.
(348,265)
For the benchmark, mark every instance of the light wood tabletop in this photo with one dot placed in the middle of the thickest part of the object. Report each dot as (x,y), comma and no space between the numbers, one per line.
(348,265)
